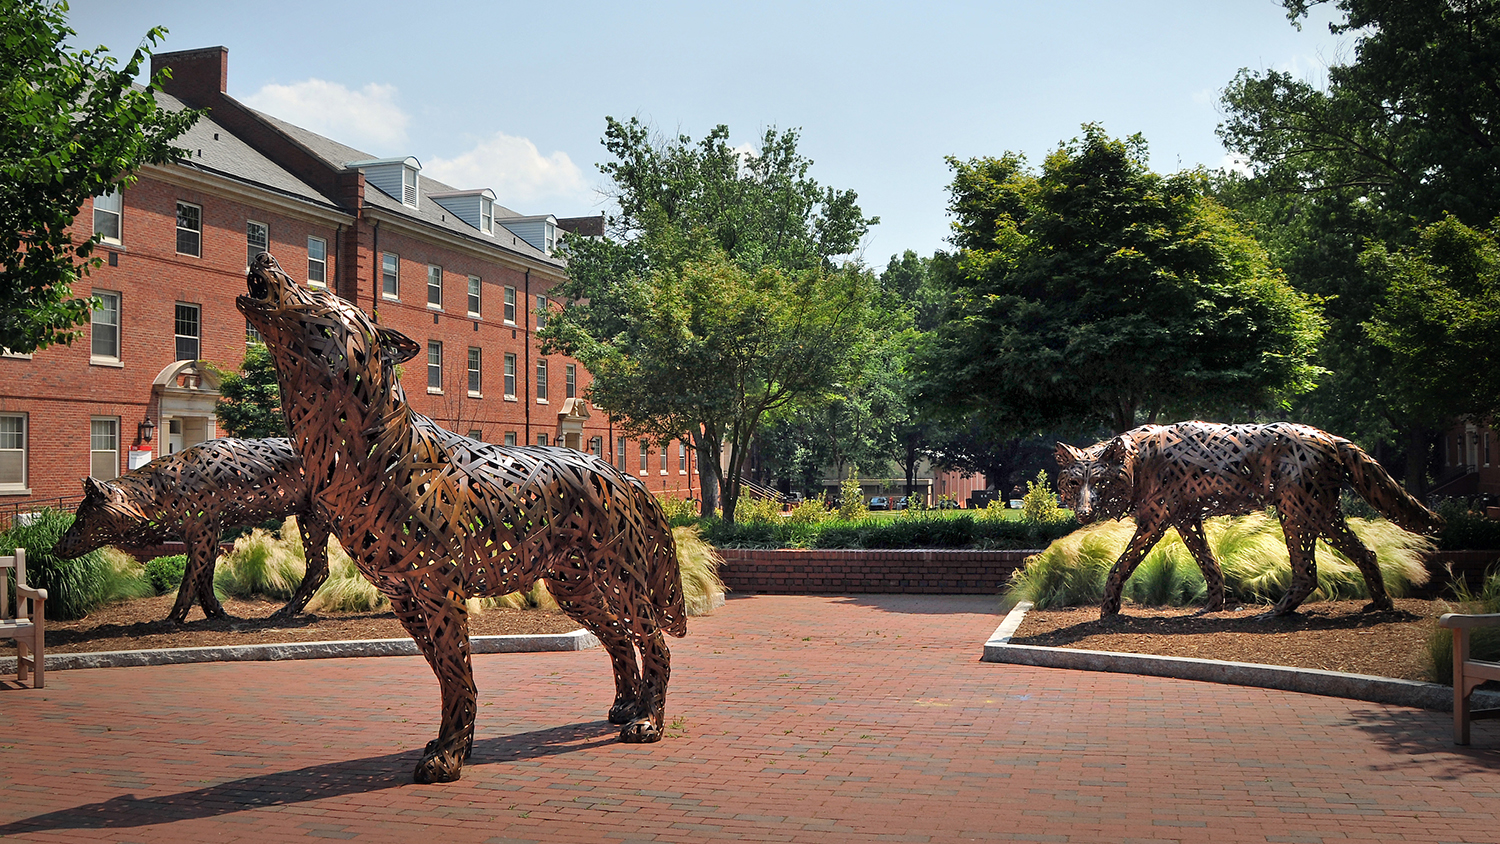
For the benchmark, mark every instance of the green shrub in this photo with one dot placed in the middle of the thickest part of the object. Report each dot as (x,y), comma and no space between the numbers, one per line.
(1484,642)
(1250,550)
(74,587)
(1466,529)
(165,573)
(750,509)
(852,497)
(680,511)
(1039,505)
(811,511)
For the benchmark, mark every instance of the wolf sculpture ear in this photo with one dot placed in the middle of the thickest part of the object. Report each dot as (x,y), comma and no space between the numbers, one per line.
(1119,451)
(95,489)
(397,347)
(1067,455)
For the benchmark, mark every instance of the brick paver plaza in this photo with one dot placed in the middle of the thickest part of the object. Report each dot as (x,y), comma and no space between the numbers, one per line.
(793,718)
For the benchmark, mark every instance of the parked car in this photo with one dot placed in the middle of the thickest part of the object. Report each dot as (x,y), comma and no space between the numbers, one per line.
(794,498)
(880,502)
(899,503)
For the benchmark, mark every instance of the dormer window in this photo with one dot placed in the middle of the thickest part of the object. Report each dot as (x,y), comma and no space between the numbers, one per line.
(409,186)
(394,177)
(551,236)
(475,207)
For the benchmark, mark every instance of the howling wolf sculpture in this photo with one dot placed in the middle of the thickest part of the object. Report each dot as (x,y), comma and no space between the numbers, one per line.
(432,518)
(193,496)
(1178,475)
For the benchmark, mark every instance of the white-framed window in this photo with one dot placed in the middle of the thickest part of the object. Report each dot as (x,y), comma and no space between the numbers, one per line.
(541,312)
(12,452)
(486,215)
(510,376)
(541,439)
(108,211)
(510,438)
(645,456)
(476,434)
(188,326)
(104,448)
(681,457)
(570,371)
(663,458)
(317,261)
(510,306)
(409,186)
(104,328)
(257,240)
(596,447)
(474,370)
(251,335)
(474,290)
(541,380)
(434,366)
(390,275)
(550,235)
(620,453)
(189,229)
(434,286)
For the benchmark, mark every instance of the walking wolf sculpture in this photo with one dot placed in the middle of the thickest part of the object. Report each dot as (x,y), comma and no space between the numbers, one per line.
(193,496)
(432,518)
(1178,475)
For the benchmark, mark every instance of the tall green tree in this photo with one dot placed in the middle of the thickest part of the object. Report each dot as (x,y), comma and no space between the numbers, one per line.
(1100,292)
(249,404)
(717,296)
(1440,318)
(1402,134)
(72,126)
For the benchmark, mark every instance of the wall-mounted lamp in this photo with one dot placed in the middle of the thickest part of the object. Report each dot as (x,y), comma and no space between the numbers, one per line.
(146,429)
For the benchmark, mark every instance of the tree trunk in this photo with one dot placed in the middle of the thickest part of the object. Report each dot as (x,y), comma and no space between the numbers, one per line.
(708,475)
(1416,461)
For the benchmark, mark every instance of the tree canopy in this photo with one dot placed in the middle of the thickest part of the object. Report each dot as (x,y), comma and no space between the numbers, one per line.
(1100,292)
(249,404)
(716,298)
(72,126)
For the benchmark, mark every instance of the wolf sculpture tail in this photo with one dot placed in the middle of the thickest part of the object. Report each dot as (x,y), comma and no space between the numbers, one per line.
(662,571)
(1376,486)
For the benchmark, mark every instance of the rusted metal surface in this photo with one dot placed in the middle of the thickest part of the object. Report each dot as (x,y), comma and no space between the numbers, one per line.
(193,496)
(1175,476)
(433,518)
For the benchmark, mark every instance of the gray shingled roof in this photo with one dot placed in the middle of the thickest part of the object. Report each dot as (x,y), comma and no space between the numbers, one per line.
(216,150)
(428,210)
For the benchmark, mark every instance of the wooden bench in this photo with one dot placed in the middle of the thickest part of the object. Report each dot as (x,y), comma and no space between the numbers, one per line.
(1469,673)
(29,623)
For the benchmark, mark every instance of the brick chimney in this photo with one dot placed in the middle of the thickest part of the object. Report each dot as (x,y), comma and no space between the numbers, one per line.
(199,77)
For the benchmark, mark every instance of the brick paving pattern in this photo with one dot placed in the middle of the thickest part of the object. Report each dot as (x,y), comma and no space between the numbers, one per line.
(792,718)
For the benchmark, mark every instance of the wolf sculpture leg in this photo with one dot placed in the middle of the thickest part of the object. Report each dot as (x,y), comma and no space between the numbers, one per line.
(198,578)
(1301,540)
(440,627)
(1146,536)
(1343,539)
(584,602)
(1213,576)
(315,551)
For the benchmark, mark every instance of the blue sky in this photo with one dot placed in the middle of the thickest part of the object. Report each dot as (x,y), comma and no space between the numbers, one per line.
(513,96)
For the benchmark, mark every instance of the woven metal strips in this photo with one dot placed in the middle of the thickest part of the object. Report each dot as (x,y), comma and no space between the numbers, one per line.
(194,495)
(433,518)
(1175,476)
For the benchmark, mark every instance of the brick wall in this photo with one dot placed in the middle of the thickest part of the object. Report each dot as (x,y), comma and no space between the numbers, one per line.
(810,571)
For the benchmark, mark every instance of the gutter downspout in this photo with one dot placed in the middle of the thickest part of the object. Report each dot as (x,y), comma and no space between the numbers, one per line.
(375,264)
(530,374)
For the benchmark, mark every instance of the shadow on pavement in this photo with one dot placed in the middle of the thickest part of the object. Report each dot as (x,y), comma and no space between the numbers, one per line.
(1412,738)
(317,782)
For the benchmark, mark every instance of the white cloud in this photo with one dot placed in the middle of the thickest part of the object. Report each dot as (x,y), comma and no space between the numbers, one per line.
(367,119)
(523,179)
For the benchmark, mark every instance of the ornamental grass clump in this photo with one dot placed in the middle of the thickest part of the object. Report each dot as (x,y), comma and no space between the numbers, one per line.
(74,587)
(700,564)
(1251,553)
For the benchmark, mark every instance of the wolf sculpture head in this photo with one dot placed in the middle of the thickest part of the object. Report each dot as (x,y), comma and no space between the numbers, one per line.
(107,516)
(1097,482)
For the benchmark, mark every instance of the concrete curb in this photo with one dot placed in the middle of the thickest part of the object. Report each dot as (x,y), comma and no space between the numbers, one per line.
(1411,693)
(578,640)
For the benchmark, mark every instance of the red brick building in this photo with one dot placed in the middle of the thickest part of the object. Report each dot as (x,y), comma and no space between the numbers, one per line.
(450,267)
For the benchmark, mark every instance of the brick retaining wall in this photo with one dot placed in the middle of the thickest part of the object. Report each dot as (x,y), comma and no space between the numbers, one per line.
(800,571)
(794,571)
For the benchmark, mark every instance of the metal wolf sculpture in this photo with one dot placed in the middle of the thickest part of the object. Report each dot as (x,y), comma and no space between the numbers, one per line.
(193,496)
(432,518)
(1178,475)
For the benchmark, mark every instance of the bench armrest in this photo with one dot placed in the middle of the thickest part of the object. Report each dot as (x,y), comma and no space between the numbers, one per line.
(28,592)
(1454,619)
